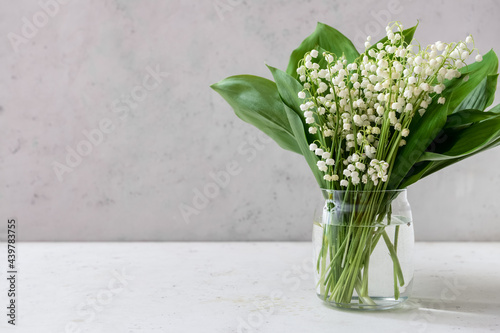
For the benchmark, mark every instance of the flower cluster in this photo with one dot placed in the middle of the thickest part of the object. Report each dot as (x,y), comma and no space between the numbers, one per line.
(360,112)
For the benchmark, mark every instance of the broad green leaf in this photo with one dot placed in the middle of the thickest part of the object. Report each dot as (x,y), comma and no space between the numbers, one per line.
(431,162)
(472,76)
(482,96)
(435,166)
(424,169)
(492,144)
(300,135)
(465,142)
(288,88)
(495,109)
(473,140)
(329,39)
(423,130)
(256,101)
(417,172)
(408,33)
(466,117)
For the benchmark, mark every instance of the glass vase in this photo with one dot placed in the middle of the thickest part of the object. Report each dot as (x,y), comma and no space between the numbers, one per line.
(363,249)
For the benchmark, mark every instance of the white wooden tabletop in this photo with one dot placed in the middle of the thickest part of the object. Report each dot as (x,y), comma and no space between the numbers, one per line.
(237,287)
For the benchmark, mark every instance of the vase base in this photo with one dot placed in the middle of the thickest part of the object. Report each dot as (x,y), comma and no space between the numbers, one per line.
(381,303)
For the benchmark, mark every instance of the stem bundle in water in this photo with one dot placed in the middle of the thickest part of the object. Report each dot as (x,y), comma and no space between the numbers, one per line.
(352,228)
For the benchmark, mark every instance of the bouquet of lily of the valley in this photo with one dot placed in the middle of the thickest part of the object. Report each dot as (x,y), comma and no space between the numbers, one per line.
(369,123)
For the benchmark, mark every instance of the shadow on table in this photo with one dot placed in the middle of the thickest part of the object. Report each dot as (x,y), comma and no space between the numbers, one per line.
(424,313)
(470,300)
(461,306)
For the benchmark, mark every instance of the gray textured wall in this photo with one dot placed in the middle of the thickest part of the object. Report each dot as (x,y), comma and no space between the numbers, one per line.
(66,76)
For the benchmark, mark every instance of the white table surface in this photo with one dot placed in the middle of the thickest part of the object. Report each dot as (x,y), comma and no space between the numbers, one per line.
(237,287)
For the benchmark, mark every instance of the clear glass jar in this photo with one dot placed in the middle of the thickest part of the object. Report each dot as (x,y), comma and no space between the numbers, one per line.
(363,249)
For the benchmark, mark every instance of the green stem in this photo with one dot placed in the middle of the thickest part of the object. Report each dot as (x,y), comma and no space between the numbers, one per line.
(396,288)
(395,260)
(363,295)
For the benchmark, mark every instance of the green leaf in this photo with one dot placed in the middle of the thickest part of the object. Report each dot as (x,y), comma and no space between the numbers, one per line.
(471,141)
(466,117)
(482,96)
(423,130)
(495,109)
(329,39)
(418,171)
(300,135)
(256,101)
(472,76)
(467,141)
(485,136)
(288,88)
(408,34)
(431,167)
